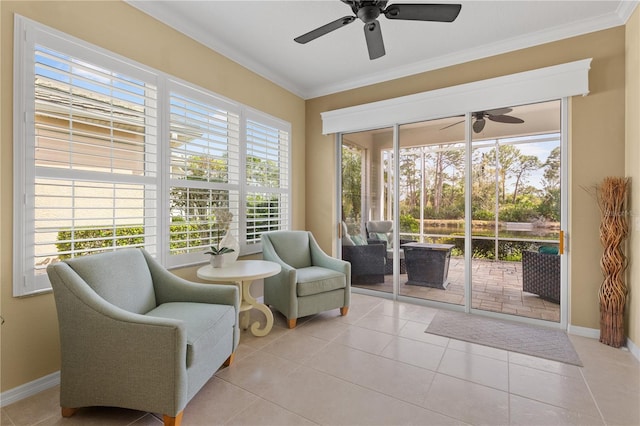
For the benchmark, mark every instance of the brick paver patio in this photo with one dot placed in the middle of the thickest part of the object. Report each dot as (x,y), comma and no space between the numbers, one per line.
(497,287)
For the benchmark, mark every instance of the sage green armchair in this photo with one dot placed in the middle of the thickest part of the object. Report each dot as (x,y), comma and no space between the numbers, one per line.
(136,336)
(309,282)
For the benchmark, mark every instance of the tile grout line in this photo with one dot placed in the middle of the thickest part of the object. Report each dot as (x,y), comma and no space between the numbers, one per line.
(593,398)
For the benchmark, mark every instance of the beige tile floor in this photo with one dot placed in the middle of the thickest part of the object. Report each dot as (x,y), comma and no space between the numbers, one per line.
(376,366)
(497,287)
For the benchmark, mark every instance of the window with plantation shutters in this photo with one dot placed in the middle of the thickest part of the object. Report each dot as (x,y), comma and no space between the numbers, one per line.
(92,182)
(204,172)
(267,176)
(110,154)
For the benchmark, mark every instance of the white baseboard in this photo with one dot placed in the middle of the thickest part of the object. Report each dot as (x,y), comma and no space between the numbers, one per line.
(592,333)
(635,350)
(29,389)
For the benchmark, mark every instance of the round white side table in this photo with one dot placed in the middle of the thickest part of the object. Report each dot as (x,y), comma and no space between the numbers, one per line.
(243,273)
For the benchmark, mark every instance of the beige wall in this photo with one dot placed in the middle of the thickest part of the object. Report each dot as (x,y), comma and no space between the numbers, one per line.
(632,157)
(597,143)
(29,337)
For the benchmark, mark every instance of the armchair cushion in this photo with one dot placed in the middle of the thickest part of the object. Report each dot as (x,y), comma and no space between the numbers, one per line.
(381,236)
(346,238)
(292,248)
(205,324)
(359,240)
(382,226)
(548,250)
(123,281)
(315,280)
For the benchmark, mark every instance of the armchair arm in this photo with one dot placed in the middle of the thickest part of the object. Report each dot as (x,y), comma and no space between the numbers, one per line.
(102,343)
(320,258)
(280,289)
(378,242)
(171,288)
(288,275)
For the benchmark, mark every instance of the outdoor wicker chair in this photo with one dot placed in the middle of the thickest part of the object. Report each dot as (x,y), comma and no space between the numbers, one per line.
(541,275)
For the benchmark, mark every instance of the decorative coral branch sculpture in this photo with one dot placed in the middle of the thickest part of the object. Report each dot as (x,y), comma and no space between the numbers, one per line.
(612,200)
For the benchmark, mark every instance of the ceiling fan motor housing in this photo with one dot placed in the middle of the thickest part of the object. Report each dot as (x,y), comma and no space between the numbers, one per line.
(368,14)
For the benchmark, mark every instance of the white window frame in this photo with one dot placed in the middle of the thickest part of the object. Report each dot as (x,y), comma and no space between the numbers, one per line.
(26,34)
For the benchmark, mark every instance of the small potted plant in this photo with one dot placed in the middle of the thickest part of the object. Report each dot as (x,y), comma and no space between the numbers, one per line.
(217,251)
(216,255)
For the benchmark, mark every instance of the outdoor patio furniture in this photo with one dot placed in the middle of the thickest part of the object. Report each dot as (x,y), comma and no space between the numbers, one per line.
(428,264)
(367,257)
(367,263)
(382,230)
(541,275)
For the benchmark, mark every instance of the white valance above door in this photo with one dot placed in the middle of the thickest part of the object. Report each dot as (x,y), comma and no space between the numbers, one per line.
(543,84)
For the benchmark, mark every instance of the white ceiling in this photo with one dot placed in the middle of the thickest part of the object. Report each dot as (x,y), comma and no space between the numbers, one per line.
(259,35)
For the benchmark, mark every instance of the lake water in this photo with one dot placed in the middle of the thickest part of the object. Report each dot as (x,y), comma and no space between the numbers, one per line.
(504,231)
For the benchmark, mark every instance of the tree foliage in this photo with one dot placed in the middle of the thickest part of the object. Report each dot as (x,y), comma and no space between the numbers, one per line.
(501,174)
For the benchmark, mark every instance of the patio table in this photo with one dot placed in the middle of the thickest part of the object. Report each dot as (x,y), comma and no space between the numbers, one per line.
(427,264)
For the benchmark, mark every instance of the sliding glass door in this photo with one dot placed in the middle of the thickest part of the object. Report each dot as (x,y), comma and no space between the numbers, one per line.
(364,200)
(478,199)
(431,206)
(515,209)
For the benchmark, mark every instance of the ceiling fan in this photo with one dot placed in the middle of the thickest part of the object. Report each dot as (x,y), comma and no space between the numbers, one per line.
(368,12)
(497,115)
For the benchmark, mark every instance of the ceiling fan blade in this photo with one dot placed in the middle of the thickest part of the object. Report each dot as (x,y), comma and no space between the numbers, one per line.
(505,119)
(423,12)
(451,125)
(325,29)
(479,125)
(499,111)
(373,35)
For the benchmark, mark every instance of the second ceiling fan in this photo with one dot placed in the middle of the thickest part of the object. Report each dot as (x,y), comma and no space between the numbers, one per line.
(368,12)
(497,115)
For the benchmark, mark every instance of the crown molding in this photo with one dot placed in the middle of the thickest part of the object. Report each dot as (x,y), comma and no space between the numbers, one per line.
(162,12)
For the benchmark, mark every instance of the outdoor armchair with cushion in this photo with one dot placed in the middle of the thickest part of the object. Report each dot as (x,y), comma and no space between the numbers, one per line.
(382,230)
(367,258)
(541,274)
(134,335)
(309,282)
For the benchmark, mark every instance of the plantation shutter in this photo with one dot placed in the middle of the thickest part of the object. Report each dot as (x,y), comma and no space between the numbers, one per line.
(267,176)
(204,173)
(94,166)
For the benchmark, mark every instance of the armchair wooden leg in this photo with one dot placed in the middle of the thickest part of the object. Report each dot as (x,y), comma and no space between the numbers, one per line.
(68,412)
(229,360)
(172,421)
(292,323)
(344,310)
